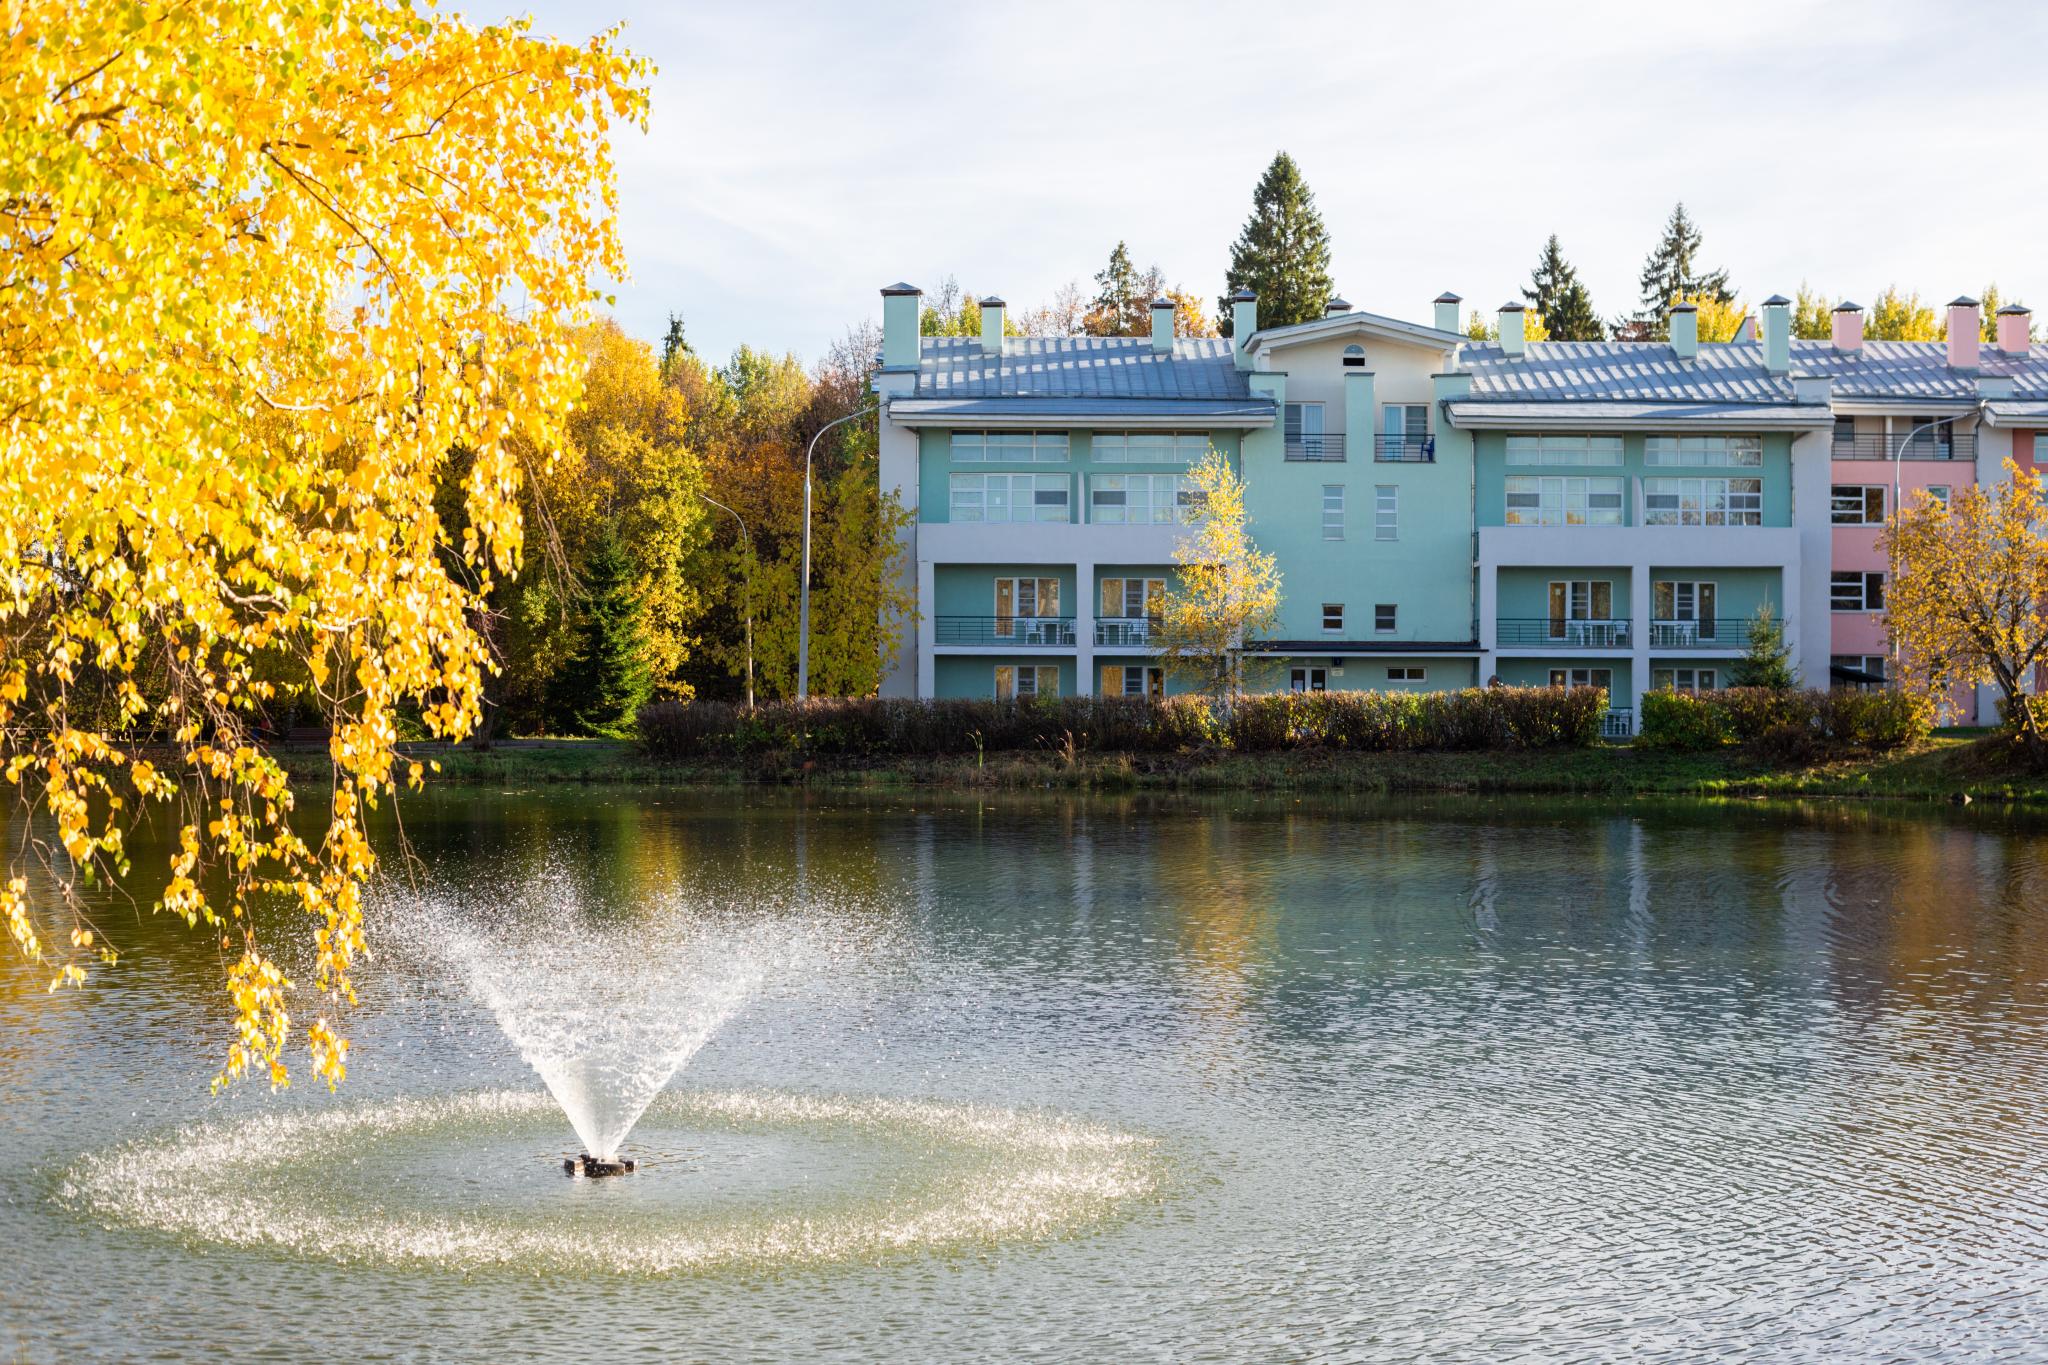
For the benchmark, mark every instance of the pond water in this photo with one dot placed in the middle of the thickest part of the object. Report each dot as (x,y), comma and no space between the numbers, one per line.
(1137,1078)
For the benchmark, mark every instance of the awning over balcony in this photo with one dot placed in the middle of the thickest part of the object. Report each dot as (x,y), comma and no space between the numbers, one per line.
(1475,415)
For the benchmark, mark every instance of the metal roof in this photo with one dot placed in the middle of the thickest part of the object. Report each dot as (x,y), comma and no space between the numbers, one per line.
(1080,367)
(1151,412)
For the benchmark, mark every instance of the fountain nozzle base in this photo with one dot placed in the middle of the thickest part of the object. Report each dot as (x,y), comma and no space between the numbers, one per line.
(592,1167)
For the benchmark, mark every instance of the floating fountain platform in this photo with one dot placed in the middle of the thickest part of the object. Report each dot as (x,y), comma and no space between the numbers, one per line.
(593,1167)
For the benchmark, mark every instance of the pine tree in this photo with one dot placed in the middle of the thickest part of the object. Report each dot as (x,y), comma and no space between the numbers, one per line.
(601,688)
(1283,254)
(1560,298)
(1123,302)
(673,345)
(1673,271)
(1767,662)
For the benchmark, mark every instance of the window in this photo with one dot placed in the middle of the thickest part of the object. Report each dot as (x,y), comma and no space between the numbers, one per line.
(1703,502)
(1354,357)
(1937,493)
(1579,599)
(1688,603)
(1010,447)
(1026,597)
(1333,511)
(1148,447)
(1845,431)
(1009,497)
(1405,419)
(1133,680)
(1602,678)
(1682,680)
(1564,450)
(1745,452)
(1940,433)
(1873,664)
(1027,680)
(1383,617)
(1304,434)
(1140,499)
(1855,504)
(1333,618)
(1133,599)
(1542,501)
(1386,510)
(1407,674)
(1308,679)
(1856,591)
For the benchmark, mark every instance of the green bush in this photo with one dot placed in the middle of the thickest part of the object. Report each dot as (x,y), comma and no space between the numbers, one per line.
(1362,722)
(1679,720)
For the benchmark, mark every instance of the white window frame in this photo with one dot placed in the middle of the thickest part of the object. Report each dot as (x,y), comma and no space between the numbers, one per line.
(1939,493)
(1407,673)
(1026,680)
(1386,511)
(1148,447)
(1011,447)
(1564,500)
(1150,594)
(1333,511)
(1849,503)
(1849,590)
(1307,679)
(1703,502)
(1602,678)
(1147,499)
(1386,618)
(1691,599)
(1690,680)
(1562,449)
(977,494)
(1581,603)
(1333,611)
(1023,591)
(1134,680)
(1404,419)
(1703,452)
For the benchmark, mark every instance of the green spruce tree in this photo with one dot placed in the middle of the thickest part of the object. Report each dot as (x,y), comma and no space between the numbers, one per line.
(1122,305)
(1767,660)
(601,688)
(673,345)
(1283,254)
(1673,271)
(1560,298)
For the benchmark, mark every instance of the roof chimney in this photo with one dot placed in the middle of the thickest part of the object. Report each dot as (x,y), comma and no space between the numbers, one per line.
(1162,326)
(1847,320)
(1336,306)
(1447,311)
(899,326)
(1512,331)
(2015,328)
(1685,330)
(1964,334)
(1778,334)
(1745,330)
(1244,320)
(992,325)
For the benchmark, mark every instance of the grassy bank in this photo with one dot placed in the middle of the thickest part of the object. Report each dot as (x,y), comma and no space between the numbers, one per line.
(1937,770)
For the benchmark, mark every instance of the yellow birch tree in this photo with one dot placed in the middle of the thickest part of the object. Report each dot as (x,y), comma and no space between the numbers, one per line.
(263,266)
(1227,590)
(1967,600)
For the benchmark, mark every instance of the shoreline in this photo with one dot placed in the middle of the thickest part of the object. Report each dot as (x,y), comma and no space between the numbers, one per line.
(1941,770)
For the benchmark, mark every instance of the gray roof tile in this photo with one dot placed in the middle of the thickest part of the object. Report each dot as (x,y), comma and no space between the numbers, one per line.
(1079,367)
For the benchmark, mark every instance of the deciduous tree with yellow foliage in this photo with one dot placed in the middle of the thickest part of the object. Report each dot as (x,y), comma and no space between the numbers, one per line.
(1967,601)
(1227,590)
(263,267)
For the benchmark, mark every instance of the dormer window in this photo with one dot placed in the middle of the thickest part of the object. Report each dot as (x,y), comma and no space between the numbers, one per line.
(1354,357)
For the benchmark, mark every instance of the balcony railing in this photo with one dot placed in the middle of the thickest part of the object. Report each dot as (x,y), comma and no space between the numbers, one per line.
(1315,447)
(1125,632)
(1553,632)
(1020,632)
(1715,634)
(1618,723)
(1405,447)
(1928,445)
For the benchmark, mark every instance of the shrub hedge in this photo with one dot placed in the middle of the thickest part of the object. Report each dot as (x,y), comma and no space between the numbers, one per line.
(1477,718)
(1789,724)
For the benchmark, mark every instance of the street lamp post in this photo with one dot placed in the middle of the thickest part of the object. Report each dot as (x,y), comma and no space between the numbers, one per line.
(1891,638)
(747,593)
(803,612)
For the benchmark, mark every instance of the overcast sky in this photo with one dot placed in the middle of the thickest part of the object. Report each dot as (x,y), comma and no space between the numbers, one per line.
(802,156)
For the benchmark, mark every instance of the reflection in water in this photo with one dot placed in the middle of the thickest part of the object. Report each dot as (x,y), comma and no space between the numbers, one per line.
(1475,1079)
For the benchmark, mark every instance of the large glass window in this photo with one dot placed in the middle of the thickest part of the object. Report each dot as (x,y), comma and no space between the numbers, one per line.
(1683,680)
(1140,499)
(1386,512)
(1133,680)
(1687,606)
(1564,449)
(1304,434)
(1027,680)
(1579,599)
(1853,591)
(1703,502)
(1602,678)
(1743,452)
(1009,497)
(1307,679)
(1010,447)
(1133,598)
(1855,504)
(1539,501)
(1148,447)
(1333,511)
(1026,597)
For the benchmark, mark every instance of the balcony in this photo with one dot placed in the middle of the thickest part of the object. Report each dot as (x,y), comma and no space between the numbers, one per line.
(1313,447)
(1405,447)
(1618,723)
(1928,445)
(1670,636)
(1552,632)
(1010,632)
(1124,632)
